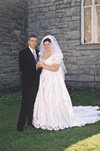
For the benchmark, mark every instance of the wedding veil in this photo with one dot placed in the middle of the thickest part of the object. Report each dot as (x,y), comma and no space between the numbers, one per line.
(55,50)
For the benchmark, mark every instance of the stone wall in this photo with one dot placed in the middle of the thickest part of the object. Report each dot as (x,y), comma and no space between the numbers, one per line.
(13,24)
(63,20)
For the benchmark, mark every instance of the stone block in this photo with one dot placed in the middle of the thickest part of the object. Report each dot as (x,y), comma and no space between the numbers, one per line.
(93,71)
(50,4)
(77,4)
(75,53)
(84,69)
(58,2)
(17,32)
(71,35)
(45,9)
(74,67)
(86,53)
(73,43)
(85,47)
(74,26)
(50,14)
(67,1)
(81,60)
(72,4)
(61,6)
(97,86)
(71,60)
(75,11)
(60,11)
(44,1)
(87,60)
(41,5)
(97,78)
(52,8)
(49,1)
(54,31)
(61,25)
(86,78)
(64,19)
(91,60)
(98,70)
(72,77)
(73,71)
(76,18)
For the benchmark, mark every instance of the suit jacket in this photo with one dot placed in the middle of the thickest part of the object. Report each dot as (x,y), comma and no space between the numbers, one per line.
(27,65)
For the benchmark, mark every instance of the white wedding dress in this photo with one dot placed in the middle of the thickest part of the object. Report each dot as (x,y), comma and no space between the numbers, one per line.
(53,108)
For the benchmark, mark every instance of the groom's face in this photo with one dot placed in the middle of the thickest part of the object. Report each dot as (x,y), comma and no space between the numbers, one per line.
(32,42)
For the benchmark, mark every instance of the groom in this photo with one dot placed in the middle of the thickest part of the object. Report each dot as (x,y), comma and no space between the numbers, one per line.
(30,81)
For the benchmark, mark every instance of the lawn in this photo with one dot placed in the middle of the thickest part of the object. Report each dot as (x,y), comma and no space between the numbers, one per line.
(86,138)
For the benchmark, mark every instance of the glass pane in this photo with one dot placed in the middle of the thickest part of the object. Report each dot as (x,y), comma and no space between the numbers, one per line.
(97,24)
(97,1)
(87,25)
(87,2)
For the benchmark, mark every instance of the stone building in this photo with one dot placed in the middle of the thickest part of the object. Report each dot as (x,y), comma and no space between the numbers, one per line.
(74,23)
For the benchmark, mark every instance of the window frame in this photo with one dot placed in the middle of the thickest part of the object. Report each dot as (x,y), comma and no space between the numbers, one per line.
(93,12)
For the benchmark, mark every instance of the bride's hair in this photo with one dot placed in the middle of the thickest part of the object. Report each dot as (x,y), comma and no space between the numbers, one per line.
(47,39)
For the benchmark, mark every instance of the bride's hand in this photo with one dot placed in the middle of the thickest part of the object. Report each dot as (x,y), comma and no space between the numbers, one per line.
(41,63)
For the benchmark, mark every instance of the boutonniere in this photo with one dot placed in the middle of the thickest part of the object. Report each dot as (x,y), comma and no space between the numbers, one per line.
(39,54)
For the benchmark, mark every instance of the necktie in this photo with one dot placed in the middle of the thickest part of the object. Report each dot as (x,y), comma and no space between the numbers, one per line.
(35,56)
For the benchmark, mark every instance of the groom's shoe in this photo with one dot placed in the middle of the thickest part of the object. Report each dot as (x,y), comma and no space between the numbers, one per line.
(30,124)
(20,129)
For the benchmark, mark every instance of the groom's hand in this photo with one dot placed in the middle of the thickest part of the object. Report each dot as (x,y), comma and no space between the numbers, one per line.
(38,65)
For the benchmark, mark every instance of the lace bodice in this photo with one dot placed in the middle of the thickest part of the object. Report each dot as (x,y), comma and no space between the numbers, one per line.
(53,59)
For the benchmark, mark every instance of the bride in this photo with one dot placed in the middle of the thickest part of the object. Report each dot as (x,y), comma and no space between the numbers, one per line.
(53,108)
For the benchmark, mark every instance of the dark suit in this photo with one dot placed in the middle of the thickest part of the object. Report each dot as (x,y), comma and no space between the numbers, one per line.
(30,83)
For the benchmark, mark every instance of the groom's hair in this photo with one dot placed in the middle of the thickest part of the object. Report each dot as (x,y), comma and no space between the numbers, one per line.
(34,36)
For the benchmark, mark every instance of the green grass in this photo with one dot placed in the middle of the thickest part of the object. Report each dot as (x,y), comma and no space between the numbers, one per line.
(86,138)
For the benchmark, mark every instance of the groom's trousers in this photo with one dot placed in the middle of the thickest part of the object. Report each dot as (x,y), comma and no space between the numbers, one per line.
(27,104)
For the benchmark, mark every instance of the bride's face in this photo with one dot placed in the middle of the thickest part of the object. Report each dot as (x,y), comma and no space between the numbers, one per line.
(47,46)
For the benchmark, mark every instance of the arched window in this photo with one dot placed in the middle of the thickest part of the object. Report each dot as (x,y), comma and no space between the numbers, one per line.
(90,21)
